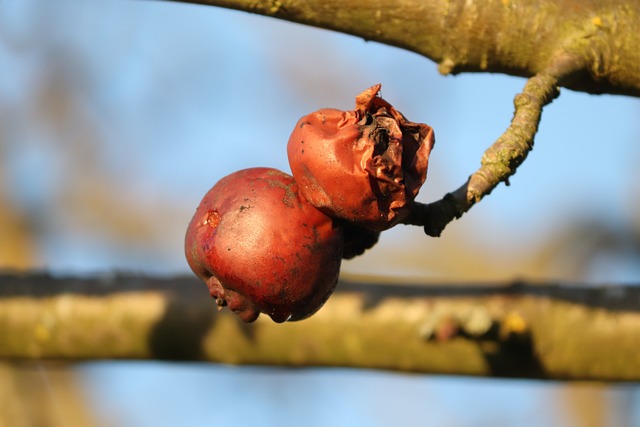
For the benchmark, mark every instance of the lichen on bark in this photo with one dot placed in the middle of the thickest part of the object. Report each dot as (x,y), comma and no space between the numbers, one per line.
(517,330)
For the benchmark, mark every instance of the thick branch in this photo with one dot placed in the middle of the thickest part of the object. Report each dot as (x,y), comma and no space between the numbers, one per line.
(510,36)
(516,331)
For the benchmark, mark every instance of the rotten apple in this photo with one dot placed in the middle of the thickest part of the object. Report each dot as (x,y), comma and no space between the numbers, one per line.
(261,247)
(363,166)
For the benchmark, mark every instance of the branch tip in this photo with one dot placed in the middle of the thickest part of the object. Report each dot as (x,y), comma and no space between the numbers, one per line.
(501,160)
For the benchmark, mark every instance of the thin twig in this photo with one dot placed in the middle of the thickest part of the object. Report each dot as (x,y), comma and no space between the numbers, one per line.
(501,160)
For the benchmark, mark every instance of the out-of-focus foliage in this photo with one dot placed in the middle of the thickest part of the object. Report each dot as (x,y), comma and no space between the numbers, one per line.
(42,395)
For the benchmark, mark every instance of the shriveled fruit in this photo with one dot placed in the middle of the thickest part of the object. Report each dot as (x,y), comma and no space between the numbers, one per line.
(260,247)
(364,166)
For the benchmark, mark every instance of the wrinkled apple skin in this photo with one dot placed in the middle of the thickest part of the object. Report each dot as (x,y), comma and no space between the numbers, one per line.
(260,247)
(364,166)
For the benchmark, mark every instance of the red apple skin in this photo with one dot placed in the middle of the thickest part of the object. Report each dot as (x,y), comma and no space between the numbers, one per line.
(364,166)
(261,247)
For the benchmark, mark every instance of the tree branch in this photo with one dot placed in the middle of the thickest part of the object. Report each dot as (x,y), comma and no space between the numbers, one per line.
(511,36)
(501,159)
(519,330)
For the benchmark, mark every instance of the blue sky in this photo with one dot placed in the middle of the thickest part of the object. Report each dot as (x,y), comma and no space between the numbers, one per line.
(181,95)
(224,395)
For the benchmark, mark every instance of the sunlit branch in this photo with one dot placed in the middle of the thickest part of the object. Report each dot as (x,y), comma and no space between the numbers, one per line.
(516,330)
(501,160)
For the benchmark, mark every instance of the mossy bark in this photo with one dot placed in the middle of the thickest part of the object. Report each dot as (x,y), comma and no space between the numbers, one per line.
(517,330)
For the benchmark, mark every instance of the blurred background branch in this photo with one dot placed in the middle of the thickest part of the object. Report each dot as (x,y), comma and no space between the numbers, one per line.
(517,330)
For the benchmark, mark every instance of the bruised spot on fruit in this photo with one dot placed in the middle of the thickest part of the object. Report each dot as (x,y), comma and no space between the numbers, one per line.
(213,218)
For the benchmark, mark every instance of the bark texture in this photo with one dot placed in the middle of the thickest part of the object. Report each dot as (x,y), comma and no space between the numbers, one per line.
(518,37)
(515,330)
(501,159)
